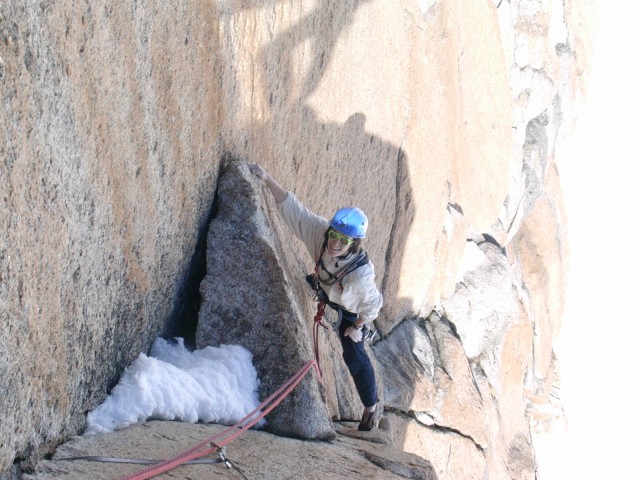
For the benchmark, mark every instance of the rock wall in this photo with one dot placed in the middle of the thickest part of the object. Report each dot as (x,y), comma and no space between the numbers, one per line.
(438,117)
(107,177)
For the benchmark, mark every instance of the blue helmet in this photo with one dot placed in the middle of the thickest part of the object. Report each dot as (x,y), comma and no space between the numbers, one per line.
(350,221)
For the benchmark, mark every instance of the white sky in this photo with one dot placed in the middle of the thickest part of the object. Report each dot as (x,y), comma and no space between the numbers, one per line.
(215,384)
(598,347)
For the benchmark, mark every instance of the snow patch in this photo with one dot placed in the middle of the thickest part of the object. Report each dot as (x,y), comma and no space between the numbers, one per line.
(214,384)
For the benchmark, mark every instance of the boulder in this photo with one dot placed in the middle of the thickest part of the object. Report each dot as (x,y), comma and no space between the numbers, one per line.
(248,299)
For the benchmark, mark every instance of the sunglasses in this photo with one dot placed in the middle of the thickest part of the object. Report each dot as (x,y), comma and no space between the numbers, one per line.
(333,235)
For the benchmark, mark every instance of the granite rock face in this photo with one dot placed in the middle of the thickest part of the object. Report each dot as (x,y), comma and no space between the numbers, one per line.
(439,118)
(106,179)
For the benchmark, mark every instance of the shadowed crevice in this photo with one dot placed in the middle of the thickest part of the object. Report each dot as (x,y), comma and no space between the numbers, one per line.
(183,320)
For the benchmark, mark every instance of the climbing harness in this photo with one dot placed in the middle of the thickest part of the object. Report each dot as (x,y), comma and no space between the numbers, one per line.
(360,260)
(314,281)
(314,278)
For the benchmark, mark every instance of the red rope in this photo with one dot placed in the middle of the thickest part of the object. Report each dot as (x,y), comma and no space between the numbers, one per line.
(248,421)
(317,322)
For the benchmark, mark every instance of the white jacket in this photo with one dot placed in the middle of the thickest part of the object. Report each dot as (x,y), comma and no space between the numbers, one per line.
(359,293)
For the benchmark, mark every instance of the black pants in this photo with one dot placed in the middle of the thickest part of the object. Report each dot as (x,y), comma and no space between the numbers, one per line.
(358,363)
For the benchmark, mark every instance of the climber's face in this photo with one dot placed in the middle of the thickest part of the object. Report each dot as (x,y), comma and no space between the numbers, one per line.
(338,244)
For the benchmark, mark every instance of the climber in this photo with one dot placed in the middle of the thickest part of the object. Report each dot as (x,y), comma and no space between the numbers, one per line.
(346,281)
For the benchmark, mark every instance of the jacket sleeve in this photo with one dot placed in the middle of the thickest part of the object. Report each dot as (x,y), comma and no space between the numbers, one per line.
(306,225)
(360,294)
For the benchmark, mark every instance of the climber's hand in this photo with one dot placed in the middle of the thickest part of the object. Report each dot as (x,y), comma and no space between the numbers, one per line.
(354,333)
(279,193)
(258,171)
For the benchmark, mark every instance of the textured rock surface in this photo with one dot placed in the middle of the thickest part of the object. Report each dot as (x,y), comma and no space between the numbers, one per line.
(439,118)
(258,455)
(106,179)
(248,299)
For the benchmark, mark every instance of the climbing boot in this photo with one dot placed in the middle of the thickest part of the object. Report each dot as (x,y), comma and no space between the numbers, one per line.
(368,421)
